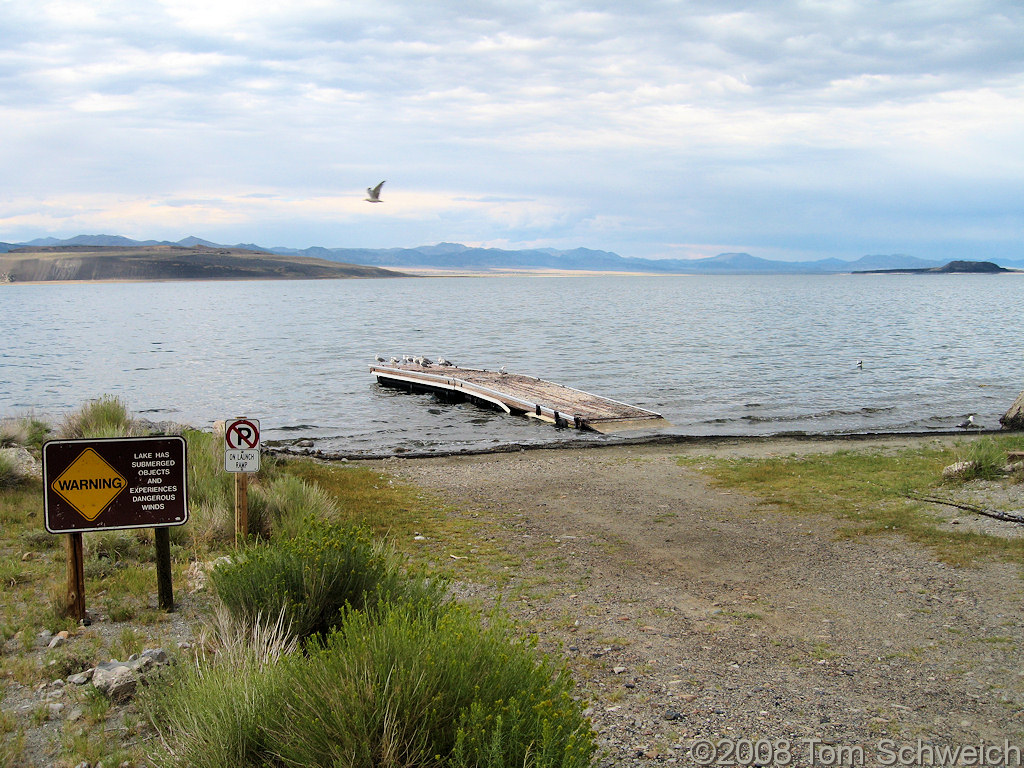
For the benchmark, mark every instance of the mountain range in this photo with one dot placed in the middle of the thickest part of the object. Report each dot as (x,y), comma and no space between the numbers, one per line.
(453,256)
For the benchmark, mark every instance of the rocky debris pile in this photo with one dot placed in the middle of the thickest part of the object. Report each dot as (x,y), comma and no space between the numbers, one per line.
(118,680)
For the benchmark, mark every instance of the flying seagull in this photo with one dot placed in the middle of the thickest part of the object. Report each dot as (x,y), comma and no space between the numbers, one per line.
(374,194)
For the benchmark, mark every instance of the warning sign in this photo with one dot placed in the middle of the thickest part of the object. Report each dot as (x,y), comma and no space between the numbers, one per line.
(92,485)
(89,484)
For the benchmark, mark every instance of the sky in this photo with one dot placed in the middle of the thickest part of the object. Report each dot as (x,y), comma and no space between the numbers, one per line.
(655,128)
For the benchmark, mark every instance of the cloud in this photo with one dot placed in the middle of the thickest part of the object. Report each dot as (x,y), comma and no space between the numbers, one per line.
(629,127)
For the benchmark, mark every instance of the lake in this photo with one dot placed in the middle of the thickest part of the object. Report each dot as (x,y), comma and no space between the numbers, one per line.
(716,355)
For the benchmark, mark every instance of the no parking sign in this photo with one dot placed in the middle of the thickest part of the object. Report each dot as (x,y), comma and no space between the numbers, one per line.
(242,445)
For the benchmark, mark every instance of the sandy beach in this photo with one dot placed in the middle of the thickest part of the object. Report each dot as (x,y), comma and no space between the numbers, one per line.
(690,613)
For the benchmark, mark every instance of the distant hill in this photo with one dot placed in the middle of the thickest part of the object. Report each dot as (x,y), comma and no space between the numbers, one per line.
(456,257)
(44,263)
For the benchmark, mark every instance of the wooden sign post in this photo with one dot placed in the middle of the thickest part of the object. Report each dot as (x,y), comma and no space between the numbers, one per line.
(242,456)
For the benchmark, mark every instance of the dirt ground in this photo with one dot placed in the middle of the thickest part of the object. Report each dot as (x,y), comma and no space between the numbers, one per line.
(703,624)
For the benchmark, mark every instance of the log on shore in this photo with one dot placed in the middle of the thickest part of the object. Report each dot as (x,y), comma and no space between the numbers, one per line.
(1014,418)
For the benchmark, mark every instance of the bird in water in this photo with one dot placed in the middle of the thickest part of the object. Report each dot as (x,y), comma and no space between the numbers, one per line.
(970,423)
(373,194)
(860,363)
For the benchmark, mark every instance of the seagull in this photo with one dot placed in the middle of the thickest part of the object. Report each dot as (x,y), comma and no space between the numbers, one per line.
(426,362)
(860,363)
(394,361)
(374,194)
(443,361)
(381,359)
(502,370)
(969,424)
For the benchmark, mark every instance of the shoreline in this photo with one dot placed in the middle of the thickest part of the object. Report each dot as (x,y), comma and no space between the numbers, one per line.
(279,447)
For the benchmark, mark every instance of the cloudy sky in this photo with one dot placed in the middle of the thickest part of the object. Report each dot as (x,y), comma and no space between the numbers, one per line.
(654,128)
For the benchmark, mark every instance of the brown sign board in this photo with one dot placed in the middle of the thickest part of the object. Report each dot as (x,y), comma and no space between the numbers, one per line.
(104,484)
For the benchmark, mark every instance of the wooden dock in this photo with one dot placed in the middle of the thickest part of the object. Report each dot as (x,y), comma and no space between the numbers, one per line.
(521,395)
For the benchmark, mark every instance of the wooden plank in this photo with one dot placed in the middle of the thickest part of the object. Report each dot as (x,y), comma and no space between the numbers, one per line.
(528,395)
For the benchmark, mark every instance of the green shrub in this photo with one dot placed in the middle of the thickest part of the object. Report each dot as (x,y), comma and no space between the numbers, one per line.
(9,474)
(106,416)
(313,576)
(415,687)
(408,685)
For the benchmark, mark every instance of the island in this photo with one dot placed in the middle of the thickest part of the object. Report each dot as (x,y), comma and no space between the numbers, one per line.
(952,268)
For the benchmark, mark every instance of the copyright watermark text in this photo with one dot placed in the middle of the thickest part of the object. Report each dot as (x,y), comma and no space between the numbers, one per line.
(817,752)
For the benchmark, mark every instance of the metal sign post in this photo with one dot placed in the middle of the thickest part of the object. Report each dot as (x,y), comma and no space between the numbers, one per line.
(242,456)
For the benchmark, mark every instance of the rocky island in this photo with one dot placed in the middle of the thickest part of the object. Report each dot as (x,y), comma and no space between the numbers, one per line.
(953,267)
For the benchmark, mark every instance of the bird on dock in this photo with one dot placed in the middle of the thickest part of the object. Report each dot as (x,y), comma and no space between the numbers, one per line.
(394,361)
(374,193)
(444,362)
(426,362)
(970,423)
(381,359)
(502,370)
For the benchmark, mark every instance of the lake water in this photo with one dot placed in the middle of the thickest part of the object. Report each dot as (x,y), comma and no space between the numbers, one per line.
(716,355)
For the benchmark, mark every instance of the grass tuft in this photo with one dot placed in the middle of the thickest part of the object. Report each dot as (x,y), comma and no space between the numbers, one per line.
(107,416)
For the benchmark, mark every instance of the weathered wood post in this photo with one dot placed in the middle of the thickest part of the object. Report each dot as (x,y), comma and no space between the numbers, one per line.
(164,586)
(241,508)
(74,605)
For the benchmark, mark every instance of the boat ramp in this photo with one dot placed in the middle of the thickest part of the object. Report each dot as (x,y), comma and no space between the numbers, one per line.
(518,394)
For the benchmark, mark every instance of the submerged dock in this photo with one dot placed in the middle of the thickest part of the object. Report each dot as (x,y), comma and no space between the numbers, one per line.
(518,394)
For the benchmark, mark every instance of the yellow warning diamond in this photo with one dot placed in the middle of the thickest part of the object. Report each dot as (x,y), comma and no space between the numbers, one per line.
(89,484)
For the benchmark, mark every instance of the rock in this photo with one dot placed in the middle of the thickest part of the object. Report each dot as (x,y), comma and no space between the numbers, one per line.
(1014,417)
(59,639)
(158,655)
(25,464)
(618,670)
(959,468)
(118,680)
(82,677)
(673,714)
(115,680)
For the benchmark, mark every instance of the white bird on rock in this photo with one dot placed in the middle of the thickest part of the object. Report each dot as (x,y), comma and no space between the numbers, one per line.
(374,194)
(969,424)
